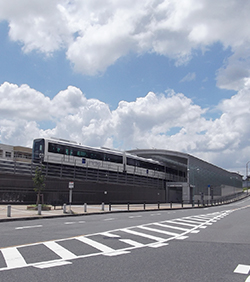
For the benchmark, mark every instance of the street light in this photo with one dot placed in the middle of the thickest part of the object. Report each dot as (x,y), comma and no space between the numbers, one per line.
(247,174)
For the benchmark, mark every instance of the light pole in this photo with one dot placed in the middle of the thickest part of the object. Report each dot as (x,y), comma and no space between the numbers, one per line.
(247,174)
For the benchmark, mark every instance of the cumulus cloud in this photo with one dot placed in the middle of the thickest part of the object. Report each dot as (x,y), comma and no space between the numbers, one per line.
(143,123)
(95,34)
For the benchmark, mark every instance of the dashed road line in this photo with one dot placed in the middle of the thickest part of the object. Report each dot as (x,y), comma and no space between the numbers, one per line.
(28,227)
(108,219)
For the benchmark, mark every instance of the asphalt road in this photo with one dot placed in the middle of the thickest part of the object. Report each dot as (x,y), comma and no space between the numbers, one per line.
(210,244)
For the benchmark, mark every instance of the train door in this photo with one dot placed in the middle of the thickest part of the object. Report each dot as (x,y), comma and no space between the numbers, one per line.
(69,155)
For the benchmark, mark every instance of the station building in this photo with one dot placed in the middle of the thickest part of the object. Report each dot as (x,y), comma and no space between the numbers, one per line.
(194,179)
(187,179)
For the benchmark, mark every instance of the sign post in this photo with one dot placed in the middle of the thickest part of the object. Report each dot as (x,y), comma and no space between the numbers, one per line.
(71,186)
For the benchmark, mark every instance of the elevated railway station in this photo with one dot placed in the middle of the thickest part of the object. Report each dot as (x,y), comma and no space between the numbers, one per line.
(102,175)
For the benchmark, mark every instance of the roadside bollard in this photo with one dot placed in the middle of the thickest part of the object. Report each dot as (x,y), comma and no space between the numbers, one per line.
(102,206)
(170,205)
(85,207)
(39,209)
(128,206)
(109,206)
(64,208)
(9,211)
(158,205)
(144,206)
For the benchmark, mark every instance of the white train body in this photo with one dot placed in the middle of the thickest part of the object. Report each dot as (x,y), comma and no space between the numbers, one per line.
(63,152)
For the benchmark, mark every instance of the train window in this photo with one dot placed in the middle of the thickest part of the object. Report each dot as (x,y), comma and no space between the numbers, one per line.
(81,153)
(52,148)
(68,151)
(113,158)
(130,161)
(38,149)
(60,149)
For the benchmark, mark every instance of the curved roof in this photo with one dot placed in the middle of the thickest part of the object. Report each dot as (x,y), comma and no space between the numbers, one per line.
(166,156)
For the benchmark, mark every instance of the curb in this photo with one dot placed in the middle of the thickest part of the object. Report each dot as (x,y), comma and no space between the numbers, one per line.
(109,212)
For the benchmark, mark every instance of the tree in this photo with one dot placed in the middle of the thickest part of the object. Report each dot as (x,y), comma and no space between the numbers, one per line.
(39,184)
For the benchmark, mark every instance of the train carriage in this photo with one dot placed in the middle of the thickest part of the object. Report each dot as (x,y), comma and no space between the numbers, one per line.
(60,151)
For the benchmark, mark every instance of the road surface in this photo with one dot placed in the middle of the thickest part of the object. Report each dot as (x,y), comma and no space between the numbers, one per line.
(206,244)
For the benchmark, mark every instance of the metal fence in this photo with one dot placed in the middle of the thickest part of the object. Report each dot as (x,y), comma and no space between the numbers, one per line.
(80,173)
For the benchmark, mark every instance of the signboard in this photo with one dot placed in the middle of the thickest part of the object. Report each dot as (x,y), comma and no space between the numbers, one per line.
(71,185)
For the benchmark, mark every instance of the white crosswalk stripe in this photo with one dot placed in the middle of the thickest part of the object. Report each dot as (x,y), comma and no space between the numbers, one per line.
(13,258)
(59,250)
(132,237)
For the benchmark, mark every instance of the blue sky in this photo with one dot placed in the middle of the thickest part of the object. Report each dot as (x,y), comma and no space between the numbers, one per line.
(130,77)
(163,74)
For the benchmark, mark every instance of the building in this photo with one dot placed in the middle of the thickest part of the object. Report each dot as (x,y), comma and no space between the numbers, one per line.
(16,153)
(189,178)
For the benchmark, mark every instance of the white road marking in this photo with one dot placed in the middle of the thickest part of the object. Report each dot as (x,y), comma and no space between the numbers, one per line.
(107,219)
(59,250)
(171,227)
(159,231)
(13,258)
(99,246)
(26,227)
(143,235)
(188,221)
(197,220)
(242,269)
(46,264)
(181,237)
(181,223)
(103,248)
(195,231)
(157,245)
(132,243)
(107,234)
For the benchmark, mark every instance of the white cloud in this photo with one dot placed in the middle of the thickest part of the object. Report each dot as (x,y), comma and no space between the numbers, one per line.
(144,123)
(189,77)
(19,102)
(95,34)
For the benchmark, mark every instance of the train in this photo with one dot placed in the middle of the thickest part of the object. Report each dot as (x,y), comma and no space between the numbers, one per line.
(61,151)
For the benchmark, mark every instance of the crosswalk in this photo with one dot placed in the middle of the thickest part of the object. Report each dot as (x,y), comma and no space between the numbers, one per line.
(109,243)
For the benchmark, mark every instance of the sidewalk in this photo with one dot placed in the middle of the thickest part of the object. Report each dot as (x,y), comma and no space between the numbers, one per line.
(20,212)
